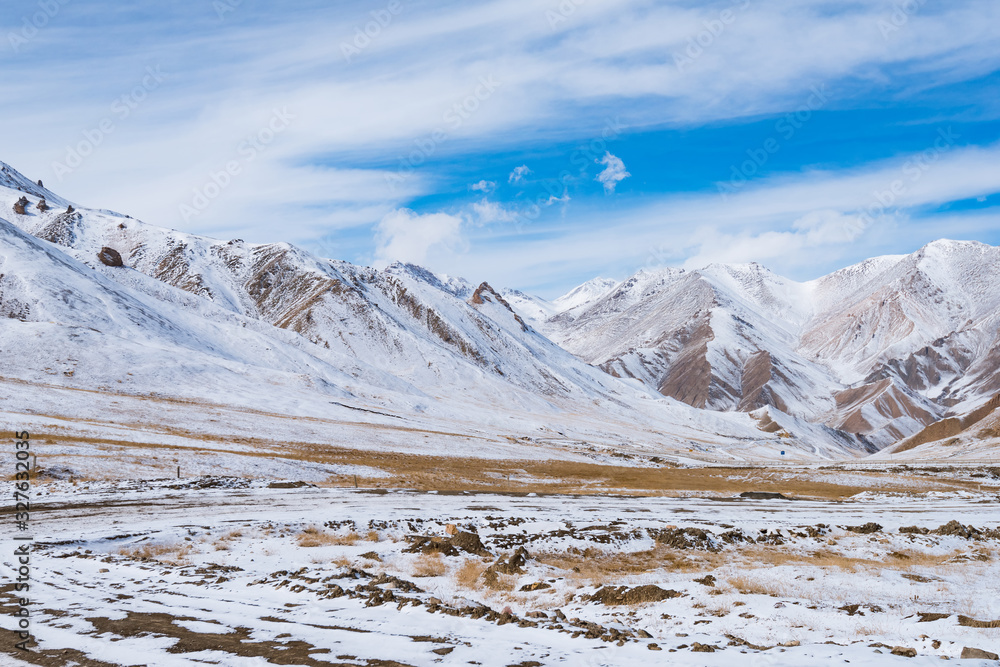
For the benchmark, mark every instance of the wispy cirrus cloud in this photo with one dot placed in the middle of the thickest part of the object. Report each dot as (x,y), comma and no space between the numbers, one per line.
(413,91)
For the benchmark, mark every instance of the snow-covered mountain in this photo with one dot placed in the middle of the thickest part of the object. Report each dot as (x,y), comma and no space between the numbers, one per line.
(881,349)
(277,331)
(726,358)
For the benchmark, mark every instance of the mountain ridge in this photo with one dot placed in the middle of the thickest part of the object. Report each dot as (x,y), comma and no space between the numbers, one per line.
(736,350)
(881,348)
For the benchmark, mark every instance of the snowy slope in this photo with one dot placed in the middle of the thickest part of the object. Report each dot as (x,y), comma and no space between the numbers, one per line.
(537,311)
(272,328)
(880,349)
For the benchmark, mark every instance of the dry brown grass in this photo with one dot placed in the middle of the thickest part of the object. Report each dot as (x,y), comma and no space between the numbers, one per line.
(502,583)
(316,537)
(759,557)
(467,576)
(171,554)
(595,567)
(754,585)
(429,565)
(721,609)
(469,474)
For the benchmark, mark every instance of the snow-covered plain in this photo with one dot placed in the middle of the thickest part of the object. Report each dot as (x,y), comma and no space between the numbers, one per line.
(230,572)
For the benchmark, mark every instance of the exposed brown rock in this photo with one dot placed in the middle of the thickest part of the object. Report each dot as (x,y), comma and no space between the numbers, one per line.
(757,372)
(448,546)
(512,565)
(484,293)
(110,257)
(619,595)
(950,426)
(689,378)
(977,654)
(61,230)
(930,616)
(867,529)
(889,401)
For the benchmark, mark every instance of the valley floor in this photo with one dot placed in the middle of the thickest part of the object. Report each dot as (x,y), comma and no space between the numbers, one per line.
(860,567)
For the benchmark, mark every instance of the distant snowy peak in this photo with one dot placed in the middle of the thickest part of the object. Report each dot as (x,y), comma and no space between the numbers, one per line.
(535,310)
(583,295)
(881,348)
(762,290)
(538,311)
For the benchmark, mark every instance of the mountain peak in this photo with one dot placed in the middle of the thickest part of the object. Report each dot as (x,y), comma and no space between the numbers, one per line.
(458,287)
(15,180)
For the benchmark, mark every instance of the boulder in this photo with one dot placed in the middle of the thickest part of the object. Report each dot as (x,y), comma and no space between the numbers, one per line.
(763,495)
(978,654)
(110,257)
(447,546)
(867,529)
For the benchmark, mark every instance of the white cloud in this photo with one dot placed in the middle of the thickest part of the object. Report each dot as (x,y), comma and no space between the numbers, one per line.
(518,174)
(613,55)
(814,230)
(798,225)
(614,172)
(484,186)
(487,212)
(405,236)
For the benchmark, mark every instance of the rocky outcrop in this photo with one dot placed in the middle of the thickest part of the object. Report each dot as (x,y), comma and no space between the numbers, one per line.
(110,257)
(486,294)
(949,427)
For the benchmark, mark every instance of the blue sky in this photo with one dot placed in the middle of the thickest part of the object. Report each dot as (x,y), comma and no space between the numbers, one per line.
(471,137)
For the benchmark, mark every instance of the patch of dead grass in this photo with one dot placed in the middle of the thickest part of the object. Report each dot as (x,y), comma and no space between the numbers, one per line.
(429,565)
(467,576)
(502,583)
(595,567)
(316,537)
(748,584)
(170,553)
